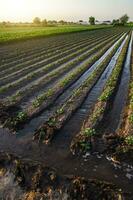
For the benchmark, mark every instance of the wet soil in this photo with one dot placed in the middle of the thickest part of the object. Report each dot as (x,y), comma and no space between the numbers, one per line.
(95,166)
(27,180)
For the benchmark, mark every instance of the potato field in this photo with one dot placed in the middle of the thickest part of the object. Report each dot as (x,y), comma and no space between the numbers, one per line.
(66,116)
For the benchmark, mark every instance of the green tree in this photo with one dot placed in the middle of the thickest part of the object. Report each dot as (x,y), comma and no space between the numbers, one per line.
(37,20)
(44,22)
(124,19)
(4,23)
(62,22)
(115,22)
(92,20)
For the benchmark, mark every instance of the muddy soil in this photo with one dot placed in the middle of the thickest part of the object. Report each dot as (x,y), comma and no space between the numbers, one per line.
(91,166)
(22,179)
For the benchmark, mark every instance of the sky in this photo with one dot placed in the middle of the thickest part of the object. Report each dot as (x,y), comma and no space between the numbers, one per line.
(69,10)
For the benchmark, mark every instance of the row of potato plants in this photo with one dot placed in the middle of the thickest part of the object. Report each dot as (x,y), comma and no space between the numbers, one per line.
(47,131)
(18,72)
(47,98)
(83,141)
(40,72)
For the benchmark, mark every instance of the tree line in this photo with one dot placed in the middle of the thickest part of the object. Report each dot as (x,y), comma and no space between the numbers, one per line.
(92,21)
(123,20)
(44,22)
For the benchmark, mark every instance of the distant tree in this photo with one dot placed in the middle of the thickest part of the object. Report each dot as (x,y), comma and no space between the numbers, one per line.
(130,23)
(71,23)
(44,22)
(37,20)
(52,22)
(115,22)
(62,22)
(124,19)
(4,23)
(92,20)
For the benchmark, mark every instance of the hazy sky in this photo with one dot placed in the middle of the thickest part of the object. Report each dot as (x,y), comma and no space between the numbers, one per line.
(26,10)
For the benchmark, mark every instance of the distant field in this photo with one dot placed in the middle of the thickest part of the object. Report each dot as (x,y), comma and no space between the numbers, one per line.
(17,33)
(131,25)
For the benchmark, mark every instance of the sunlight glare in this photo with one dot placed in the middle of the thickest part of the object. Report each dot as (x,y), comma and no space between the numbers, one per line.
(23,9)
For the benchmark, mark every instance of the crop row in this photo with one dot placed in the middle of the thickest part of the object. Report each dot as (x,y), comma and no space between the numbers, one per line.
(47,131)
(48,97)
(41,71)
(83,141)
